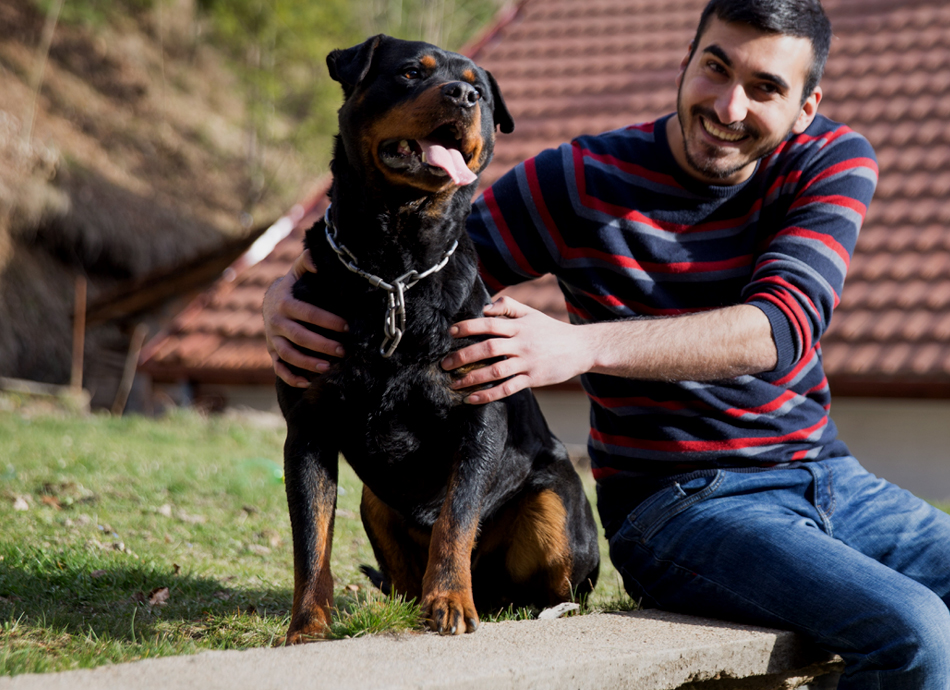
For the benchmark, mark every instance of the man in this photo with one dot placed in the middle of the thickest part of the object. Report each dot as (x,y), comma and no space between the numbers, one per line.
(701,257)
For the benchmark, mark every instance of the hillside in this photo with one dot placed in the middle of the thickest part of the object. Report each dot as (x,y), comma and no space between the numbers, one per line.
(130,157)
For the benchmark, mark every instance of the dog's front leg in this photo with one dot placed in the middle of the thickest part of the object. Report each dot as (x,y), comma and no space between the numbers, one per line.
(310,475)
(447,599)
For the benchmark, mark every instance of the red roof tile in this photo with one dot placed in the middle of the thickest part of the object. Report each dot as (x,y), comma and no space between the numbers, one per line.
(568,67)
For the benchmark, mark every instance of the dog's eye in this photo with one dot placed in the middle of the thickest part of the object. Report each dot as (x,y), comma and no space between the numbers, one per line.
(412,74)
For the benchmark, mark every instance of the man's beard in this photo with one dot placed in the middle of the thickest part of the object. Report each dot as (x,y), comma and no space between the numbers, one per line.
(711,166)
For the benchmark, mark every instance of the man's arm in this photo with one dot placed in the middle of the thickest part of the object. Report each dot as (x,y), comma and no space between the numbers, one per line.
(778,320)
(283,316)
(541,351)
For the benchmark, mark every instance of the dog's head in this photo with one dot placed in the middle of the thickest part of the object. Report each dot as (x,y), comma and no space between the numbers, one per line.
(417,115)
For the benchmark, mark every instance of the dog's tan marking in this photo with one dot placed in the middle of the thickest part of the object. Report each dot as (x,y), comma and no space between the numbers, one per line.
(313,587)
(540,542)
(401,552)
(428,61)
(447,599)
(469,76)
(466,369)
(416,119)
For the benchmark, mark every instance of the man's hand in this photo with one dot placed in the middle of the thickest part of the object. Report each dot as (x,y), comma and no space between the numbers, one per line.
(283,315)
(539,350)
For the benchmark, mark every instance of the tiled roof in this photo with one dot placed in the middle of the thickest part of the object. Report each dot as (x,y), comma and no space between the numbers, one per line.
(573,66)
(219,338)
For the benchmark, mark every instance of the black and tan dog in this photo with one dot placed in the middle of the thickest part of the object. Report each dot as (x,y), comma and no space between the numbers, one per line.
(466,506)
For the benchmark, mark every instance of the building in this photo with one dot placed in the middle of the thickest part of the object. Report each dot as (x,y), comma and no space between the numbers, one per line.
(568,67)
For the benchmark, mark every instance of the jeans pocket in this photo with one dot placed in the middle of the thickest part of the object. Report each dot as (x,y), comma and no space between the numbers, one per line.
(650,516)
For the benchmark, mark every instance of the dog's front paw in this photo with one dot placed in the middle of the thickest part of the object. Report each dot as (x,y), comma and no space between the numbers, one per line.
(308,627)
(450,613)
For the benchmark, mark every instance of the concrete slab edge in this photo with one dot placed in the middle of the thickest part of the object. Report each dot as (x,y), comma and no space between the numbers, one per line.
(647,650)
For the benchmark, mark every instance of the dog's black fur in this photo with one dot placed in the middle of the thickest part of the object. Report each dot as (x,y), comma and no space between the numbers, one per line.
(465,505)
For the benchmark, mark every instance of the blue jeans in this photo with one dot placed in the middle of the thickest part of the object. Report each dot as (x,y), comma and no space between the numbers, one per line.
(854,563)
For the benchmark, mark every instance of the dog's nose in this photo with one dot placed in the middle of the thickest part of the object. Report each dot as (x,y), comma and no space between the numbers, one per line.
(461,94)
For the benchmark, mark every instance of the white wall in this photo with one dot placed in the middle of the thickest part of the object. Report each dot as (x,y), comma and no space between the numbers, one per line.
(905,441)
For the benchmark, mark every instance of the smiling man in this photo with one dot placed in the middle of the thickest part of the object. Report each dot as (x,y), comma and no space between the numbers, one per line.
(732,108)
(701,257)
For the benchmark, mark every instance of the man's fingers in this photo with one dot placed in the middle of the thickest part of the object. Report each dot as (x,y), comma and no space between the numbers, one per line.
(308,313)
(487,349)
(303,264)
(491,326)
(502,390)
(293,337)
(507,307)
(285,350)
(496,371)
(287,376)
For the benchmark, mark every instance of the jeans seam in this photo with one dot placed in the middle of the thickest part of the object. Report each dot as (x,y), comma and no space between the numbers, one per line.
(680,506)
(832,504)
(833,500)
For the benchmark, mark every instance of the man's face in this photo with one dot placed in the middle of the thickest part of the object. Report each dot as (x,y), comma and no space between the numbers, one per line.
(739,97)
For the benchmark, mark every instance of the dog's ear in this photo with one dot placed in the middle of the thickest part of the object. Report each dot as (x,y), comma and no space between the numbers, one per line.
(350,66)
(500,111)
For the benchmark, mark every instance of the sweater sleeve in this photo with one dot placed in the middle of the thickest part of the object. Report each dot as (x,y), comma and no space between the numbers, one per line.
(508,221)
(799,276)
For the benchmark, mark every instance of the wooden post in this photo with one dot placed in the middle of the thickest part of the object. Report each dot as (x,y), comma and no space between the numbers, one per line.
(128,374)
(79,333)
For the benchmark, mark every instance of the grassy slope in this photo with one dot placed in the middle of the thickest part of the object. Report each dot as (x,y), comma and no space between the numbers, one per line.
(137,161)
(119,508)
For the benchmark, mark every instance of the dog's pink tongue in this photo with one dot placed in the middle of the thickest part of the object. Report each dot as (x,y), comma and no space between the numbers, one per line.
(450,160)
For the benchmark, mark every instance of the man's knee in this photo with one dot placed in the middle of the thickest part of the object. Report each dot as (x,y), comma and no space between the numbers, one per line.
(914,641)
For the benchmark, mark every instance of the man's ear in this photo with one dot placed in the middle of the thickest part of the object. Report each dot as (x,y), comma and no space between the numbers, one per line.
(684,63)
(500,111)
(350,66)
(809,110)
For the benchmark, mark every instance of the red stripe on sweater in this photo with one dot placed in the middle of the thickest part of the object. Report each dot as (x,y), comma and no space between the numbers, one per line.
(726,445)
(513,249)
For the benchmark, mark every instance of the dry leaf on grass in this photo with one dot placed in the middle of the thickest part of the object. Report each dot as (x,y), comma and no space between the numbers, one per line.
(158,596)
(51,501)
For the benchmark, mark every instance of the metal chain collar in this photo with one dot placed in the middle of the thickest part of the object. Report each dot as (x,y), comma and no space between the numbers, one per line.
(394,324)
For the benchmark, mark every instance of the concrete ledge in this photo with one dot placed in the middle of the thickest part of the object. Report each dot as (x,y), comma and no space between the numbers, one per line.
(645,650)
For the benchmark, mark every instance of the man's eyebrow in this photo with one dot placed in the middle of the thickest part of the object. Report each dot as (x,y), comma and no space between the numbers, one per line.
(717,52)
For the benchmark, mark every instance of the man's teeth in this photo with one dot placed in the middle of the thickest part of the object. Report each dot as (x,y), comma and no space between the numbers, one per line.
(723,134)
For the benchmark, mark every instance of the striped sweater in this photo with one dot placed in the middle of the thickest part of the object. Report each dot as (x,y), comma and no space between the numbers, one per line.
(628,234)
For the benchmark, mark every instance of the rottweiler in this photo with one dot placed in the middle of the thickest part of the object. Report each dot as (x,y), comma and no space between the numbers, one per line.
(467,507)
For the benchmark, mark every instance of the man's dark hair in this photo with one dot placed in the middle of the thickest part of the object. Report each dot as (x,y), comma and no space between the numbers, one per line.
(799,18)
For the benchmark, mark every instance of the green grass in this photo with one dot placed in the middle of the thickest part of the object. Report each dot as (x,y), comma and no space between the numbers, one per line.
(98,515)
